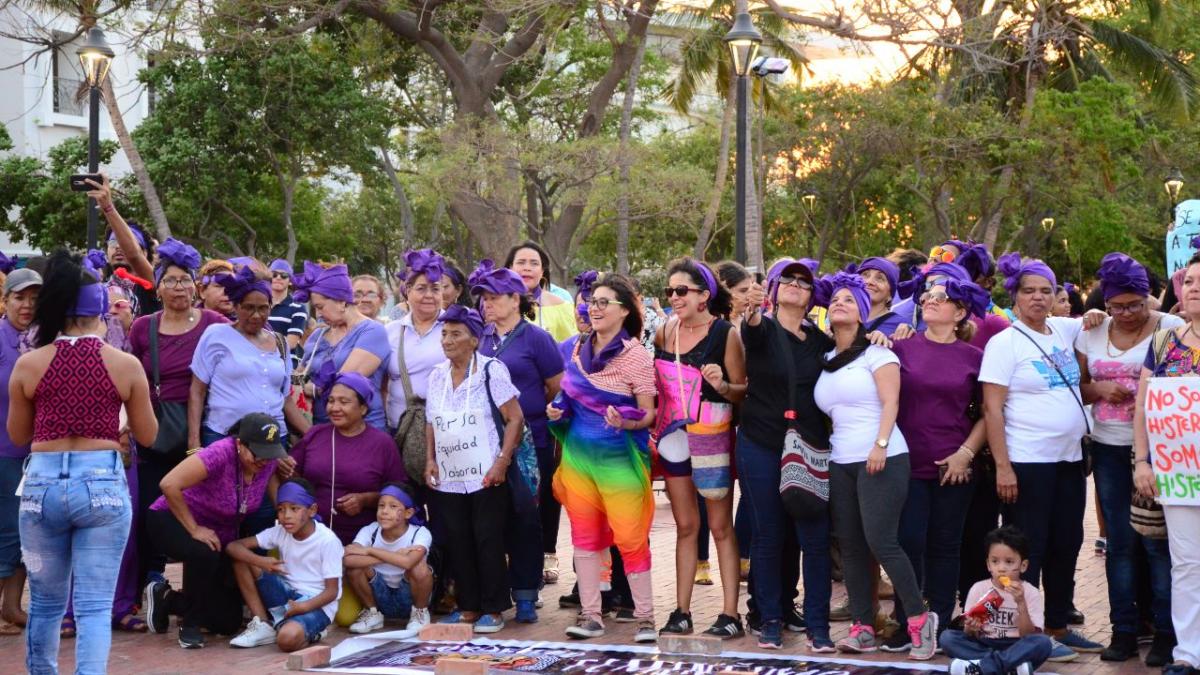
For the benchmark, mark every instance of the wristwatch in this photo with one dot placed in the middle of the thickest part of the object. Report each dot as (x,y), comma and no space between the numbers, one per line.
(882,442)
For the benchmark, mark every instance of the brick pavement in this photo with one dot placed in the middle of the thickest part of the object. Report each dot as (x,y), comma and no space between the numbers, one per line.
(160,654)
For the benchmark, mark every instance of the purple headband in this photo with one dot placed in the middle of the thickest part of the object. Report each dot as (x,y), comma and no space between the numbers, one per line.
(401,496)
(332,282)
(487,278)
(1013,267)
(358,383)
(92,299)
(175,252)
(584,282)
(238,286)
(709,280)
(882,265)
(294,493)
(278,265)
(1121,274)
(826,287)
(424,261)
(969,294)
(137,234)
(467,317)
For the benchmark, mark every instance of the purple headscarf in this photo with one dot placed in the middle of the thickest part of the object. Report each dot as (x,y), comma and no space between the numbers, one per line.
(244,282)
(138,234)
(92,299)
(977,261)
(241,261)
(1121,274)
(827,286)
(401,496)
(467,317)
(332,282)
(358,383)
(175,252)
(487,278)
(1013,267)
(279,265)
(95,260)
(294,493)
(584,282)
(7,264)
(882,265)
(969,294)
(424,261)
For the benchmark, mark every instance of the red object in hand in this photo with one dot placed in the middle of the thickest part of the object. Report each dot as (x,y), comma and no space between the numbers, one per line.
(124,274)
(986,606)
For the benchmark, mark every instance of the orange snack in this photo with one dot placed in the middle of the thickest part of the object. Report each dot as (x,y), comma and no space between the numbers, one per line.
(1005,582)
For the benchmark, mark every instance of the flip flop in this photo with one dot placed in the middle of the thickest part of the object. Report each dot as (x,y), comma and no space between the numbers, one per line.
(67,629)
(10,629)
(131,623)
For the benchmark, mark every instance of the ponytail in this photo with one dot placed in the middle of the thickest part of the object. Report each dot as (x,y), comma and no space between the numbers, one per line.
(60,292)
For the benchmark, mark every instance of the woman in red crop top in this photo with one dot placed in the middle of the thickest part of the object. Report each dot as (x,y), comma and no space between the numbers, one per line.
(66,398)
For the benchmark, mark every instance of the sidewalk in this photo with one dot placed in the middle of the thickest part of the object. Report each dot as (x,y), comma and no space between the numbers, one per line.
(160,654)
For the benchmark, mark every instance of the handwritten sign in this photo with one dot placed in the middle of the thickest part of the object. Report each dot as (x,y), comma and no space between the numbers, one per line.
(461,447)
(1173,428)
(1179,237)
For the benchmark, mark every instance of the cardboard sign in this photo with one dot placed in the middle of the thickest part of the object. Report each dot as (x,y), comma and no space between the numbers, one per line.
(1179,237)
(1173,428)
(461,447)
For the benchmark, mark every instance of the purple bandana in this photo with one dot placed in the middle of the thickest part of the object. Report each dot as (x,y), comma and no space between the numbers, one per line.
(94,261)
(1013,267)
(294,493)
(424,261)
(92,299)
(584,282)
(969,294)
(359,384)
(175,252)
(882,265)
(977,261)
(487,278)
(279,265)
(709,280)
(594,363)
(825,288)
(333,283)
(1121,274)
(401,496)
(238,286)
(467,317)
(137,234)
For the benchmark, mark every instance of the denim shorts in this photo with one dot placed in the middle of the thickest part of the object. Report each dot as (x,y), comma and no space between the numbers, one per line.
(394,603)
(275,593)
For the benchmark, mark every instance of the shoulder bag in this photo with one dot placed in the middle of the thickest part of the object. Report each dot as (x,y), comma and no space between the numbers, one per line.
(410,429)
(524,479)
(1146,514)
(803,468)
(172,435)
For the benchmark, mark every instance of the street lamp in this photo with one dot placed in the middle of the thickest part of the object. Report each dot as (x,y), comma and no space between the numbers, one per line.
(743,40)
(95,56)
(1048,223)
(810,199)
(1173,183)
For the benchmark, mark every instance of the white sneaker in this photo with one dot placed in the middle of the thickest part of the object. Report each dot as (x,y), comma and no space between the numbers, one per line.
(369,619)
(1024,669)
(418,619)
(965,667)
(257,634)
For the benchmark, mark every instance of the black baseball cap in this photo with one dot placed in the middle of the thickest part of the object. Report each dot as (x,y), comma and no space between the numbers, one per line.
(261,433)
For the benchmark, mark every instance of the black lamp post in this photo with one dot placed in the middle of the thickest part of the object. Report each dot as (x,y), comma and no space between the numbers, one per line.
(95,56)
(743,40)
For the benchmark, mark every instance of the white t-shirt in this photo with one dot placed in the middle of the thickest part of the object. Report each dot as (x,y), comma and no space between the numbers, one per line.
(1042,420)
(308,563)
(1112,423)
(371,536)
(851,399)
(1002,623)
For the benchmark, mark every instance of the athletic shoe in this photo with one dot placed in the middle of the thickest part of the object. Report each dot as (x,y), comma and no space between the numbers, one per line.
(754,622)
(1178,668)
(965,667)
(624,615)
(840,612)
(771,636)
(1160,650)
(489,623)
(703,574)
(645,632)
(924,632)
(726,627)
(821,644)
(1123,647)
(156,606)
(321,636)
(550,568)
(793,620)
(1101,547)
(679,623)
(526,613)
(1076,617)
(861,640)
(1079,643)
(1060,653)
(1023,669)
(418,619)
(190,637)
(538,604)
(585,627)
(257,634)
(369,619)
(897,643)
(569,601)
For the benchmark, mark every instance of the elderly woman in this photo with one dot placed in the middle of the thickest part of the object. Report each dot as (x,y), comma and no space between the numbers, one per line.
(348,342)
(602,417)
(1035,421)
(869,467)
(532,264)
(212,294)
(369,296)
(1110,359)
(532,359)
(204,500)
(1174,352)
(473,428)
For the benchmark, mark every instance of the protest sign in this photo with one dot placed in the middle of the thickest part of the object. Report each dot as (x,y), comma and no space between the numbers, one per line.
(1173,430)
(1179,237)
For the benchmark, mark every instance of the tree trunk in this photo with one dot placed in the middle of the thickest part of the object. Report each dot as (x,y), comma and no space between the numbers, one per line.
(149,193)
(624,160)
(722,175)
(406,212)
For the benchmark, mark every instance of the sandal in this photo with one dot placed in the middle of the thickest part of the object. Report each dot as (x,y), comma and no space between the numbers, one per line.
(131,623)
(10,629)
(67,628)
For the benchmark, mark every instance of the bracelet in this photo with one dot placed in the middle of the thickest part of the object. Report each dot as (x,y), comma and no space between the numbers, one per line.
(108,208)
(968,450)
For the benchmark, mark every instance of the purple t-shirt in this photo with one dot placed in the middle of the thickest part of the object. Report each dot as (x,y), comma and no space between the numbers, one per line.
(10,351)
(938,382)
(174,354)
(532,357)
(986,327)
(214,500)
(364,463)
(367,335)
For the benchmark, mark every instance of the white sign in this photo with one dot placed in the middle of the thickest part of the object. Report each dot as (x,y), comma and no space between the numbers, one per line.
(1179,237)
(1173,428)
(461,447)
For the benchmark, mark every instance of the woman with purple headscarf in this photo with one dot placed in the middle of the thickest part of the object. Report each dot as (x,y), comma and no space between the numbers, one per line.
(1110,359)
(882,279)
(348,342)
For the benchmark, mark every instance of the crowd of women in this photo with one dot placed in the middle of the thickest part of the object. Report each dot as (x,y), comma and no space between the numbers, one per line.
(873,425)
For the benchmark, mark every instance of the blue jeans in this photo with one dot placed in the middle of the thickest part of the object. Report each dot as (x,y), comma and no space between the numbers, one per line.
(997,657)
(931,533)
(275,593)
(10,534)
(75,518)
(394,603)
(758,471)
(1114,485)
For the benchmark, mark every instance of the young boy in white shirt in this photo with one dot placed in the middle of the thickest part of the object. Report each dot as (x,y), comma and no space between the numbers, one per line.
(386,565)
(1004,635)
(293,599)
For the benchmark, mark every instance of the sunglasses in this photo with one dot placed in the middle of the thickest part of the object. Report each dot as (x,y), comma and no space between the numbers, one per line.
(120,305)
(936,297)
(794,280)
(942,254)
(603,303)
(281,275)
(681,291)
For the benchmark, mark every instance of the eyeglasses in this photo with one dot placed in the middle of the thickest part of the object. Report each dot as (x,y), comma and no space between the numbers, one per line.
(1131,308)
(936,297)
(942,254)
(255,309)
(603,303)
(681,291)
(281,275)
(365,295)
(424,290)
(120,305)
(177,282)
(793,280)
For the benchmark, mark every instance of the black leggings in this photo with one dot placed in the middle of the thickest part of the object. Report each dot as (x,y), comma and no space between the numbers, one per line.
(209,598)
(474,527)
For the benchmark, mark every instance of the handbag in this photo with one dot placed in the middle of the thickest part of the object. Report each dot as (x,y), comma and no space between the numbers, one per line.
(410,429)
(803,467)
(172,438)
(1085,443)
(524,479)
(1145,513)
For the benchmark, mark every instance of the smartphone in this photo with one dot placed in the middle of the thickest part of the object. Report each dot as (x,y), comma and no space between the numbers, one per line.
(79,181)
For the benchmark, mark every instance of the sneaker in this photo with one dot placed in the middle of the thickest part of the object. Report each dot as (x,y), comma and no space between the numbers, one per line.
(744,569)
(840,612)
(369,619)
(793,620)
(1101,547)
(190,637)
(924,633)
(679,623)
(820,644)
(490,623)
(703,574)
(897,643)
(156,606)
(965,667)
(1075,617)
(550,568)
(645,632)
(1079,643)
(771,636)
(569,601)
(726,627)
(257,634)
(624,615)
(1023,669)
(1160,650)
(861,640)
(754,622)
(538,604)
(585,627)
(1123,647)
(418,619)
(1060,653)
(1178,668)
(321,636)
(526,612)
(1145,633)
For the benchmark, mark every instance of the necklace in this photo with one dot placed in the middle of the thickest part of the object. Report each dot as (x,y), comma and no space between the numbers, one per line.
(1108,347)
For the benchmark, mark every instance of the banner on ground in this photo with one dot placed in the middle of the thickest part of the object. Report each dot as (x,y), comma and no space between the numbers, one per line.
(1173,430)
